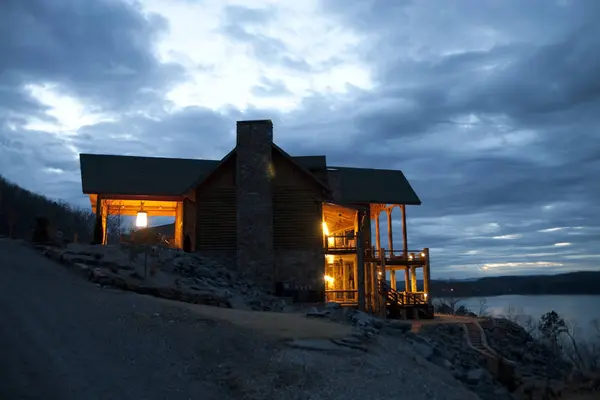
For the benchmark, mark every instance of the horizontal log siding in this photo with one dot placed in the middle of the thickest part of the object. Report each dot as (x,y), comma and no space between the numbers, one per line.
(216,223)
(296,218)
(216,210)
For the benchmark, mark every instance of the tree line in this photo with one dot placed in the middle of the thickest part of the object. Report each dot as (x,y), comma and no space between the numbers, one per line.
(21,209)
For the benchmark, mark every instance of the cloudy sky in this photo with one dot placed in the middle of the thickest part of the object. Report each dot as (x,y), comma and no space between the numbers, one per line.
(491,108)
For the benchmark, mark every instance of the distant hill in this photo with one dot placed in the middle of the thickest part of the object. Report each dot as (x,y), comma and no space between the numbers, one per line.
(19,209)
(582,282)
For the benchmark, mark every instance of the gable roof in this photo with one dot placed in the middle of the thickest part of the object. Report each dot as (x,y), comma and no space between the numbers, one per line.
(367,185)
(130,175)
(110,174)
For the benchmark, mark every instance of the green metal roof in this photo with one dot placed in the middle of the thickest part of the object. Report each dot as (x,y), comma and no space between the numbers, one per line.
(109,174)
(130,175)
(366,185)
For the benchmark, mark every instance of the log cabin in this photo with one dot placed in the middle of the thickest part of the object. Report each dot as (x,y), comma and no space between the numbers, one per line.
(295,225)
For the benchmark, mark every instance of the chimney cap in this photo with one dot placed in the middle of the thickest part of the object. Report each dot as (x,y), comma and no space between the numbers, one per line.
(256,122)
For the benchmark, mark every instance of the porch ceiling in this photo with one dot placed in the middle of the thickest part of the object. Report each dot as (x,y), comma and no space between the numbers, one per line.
(130,207)
(337,217)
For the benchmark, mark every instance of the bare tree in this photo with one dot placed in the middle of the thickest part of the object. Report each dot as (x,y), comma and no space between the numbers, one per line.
(483,308)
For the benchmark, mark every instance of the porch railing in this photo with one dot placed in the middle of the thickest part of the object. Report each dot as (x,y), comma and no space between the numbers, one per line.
(342,296)
(340,243)
(408,256)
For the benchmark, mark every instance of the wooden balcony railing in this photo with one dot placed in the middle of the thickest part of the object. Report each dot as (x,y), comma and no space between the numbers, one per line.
(408,257)
(340,243)
(342,296)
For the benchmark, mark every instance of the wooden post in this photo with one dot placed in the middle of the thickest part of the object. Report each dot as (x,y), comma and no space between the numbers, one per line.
(360,261)
(98,231)
(344,281)
(405,248)
(426,274)
(391,246)
(377,233)
(390,234)
(404,235)
(381,303)
(104,222)
(179,225)
(413,273)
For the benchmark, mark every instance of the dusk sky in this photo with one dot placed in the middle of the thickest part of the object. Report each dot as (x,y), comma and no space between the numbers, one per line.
(491,108)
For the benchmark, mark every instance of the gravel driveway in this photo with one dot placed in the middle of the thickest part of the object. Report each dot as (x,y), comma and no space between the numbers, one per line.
(64,338)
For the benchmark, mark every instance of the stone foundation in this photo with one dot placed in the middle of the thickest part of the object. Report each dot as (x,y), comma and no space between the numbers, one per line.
(299,274)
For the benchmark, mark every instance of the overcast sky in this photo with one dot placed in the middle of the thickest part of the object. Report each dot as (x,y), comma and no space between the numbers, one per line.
(491,108)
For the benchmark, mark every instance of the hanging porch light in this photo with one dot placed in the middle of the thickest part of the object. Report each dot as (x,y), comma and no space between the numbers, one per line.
(141,219)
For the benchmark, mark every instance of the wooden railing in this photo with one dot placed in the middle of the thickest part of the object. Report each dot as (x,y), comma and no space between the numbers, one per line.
(342,296)
(402,298)
(417,257)
(339,243)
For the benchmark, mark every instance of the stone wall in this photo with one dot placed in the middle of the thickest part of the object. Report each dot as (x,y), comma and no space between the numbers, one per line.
(255,254)
(302,271)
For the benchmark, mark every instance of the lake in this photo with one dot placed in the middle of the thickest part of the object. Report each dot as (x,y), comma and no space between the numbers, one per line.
(578,309)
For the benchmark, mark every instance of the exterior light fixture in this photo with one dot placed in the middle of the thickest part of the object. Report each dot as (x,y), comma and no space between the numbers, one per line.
(325,229)
(141,220)
(422,255)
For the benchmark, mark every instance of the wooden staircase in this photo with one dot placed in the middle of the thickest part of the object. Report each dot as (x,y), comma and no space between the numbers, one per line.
(403,306)
(502,369)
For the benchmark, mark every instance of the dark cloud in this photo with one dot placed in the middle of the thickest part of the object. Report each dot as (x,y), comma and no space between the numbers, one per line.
(102,51)
(492,112)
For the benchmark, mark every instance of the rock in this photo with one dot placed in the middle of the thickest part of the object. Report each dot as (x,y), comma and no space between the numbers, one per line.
(424,350)
(442,362)
(332,305)
(313,312)
(474,376)
(356,346)
(402,326)
(319,345)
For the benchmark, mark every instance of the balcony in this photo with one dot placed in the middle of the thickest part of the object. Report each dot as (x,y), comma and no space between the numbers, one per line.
(398,257)
(340,244)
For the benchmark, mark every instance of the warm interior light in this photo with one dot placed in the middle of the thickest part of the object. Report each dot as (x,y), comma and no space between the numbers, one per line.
(141,220)
(325,229)
(329,279)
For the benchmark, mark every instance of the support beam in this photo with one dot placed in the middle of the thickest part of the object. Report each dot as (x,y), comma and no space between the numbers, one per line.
(105,210)
(179,225)
(404,235)
(391,246)
(377,233)
(98,230)
(390,233)
(407,284)
(426,274)
(360,260)
(413,280)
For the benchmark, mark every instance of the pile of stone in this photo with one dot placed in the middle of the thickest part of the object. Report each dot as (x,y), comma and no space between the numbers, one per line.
(165,272)
(205,274)
(538,367)
(445,345)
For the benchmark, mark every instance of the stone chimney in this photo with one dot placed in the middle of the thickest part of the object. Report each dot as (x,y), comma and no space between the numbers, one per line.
(255,254)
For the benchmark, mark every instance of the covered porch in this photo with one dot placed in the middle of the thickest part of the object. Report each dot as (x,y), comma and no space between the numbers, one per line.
(141,207)
(344,256)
